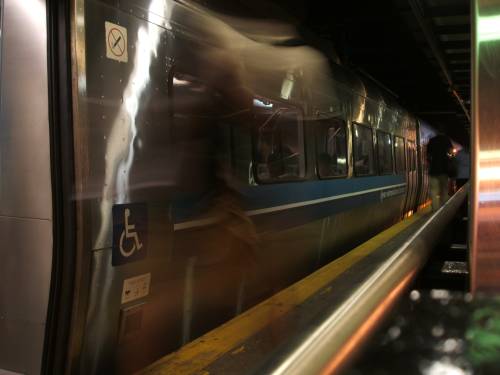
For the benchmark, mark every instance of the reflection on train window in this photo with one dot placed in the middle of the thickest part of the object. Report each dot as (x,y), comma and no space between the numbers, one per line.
(384,152)
(331,148)
(363,150)
(399,154)
(279,142)
(411,155)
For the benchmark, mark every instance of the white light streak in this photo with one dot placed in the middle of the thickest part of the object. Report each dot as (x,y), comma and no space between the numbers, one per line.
(260,103)
(120,146)
(489,174)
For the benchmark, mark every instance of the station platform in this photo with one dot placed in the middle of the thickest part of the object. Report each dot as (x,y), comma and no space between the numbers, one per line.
(320,324)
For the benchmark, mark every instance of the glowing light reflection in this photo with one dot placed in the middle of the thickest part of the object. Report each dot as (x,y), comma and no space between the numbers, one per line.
(260,103)
(354,342)
(441,367)
(489,197)
(489,155)
(287,86)
(34,9)
(489,174)
(180,82)
(488,28)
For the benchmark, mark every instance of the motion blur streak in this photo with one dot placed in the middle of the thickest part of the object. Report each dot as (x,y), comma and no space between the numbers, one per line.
(488,28)
(120,147)
(355,341)
(237,49)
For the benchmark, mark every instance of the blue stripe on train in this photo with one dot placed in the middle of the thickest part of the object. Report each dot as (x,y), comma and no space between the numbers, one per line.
(279,194)
(264,196)
(293,217)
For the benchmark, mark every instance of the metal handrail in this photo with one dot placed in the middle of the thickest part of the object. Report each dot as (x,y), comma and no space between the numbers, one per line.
(337,337)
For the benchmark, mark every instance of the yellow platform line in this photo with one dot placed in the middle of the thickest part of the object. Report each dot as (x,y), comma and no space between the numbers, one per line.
(197,355)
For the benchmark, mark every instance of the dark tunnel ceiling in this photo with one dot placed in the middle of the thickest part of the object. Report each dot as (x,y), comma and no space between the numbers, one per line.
(394,41)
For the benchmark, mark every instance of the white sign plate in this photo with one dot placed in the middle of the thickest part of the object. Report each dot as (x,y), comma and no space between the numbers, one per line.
(136,287)
(116,42)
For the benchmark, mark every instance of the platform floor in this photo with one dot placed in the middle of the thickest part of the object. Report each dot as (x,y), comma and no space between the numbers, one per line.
(253,341)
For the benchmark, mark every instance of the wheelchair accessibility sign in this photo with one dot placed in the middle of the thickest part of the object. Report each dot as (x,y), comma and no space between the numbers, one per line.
(130,233)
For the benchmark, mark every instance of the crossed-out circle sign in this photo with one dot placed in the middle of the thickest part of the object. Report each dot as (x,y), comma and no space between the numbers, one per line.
(116,42)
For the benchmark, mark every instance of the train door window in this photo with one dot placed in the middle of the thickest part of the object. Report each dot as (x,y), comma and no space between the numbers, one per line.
(384,152)
(279,142)
(364,164)
(399,154)
(331,148)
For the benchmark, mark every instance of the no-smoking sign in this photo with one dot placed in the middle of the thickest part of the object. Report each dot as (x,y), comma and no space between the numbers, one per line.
(116,42)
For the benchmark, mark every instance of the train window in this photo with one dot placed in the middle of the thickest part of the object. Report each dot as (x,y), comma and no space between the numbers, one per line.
(331,148)
(279,143)
(399,154)
(364,164)
(384,152)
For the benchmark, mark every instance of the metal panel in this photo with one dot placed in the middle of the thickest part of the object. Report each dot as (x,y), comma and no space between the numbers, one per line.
(25,268)
(124,133)
(485,200)
(21,350)
(121,144)
(25,188)
(104,351)
(24,291)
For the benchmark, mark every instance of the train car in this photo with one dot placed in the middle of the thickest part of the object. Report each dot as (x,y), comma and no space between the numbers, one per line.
(176,167)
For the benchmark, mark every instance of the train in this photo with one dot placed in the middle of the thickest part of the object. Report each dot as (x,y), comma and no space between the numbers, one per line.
(165,168)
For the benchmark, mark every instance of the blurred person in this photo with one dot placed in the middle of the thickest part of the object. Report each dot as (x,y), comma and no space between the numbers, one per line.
(439,150)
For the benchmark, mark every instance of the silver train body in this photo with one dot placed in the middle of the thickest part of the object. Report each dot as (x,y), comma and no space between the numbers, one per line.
(241,165)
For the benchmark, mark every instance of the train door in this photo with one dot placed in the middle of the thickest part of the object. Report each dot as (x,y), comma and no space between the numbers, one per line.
(420,171)
(409,182)
(422,166)
(412,174)
(424,173)
(411,177)
(400,165)
(129,285)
